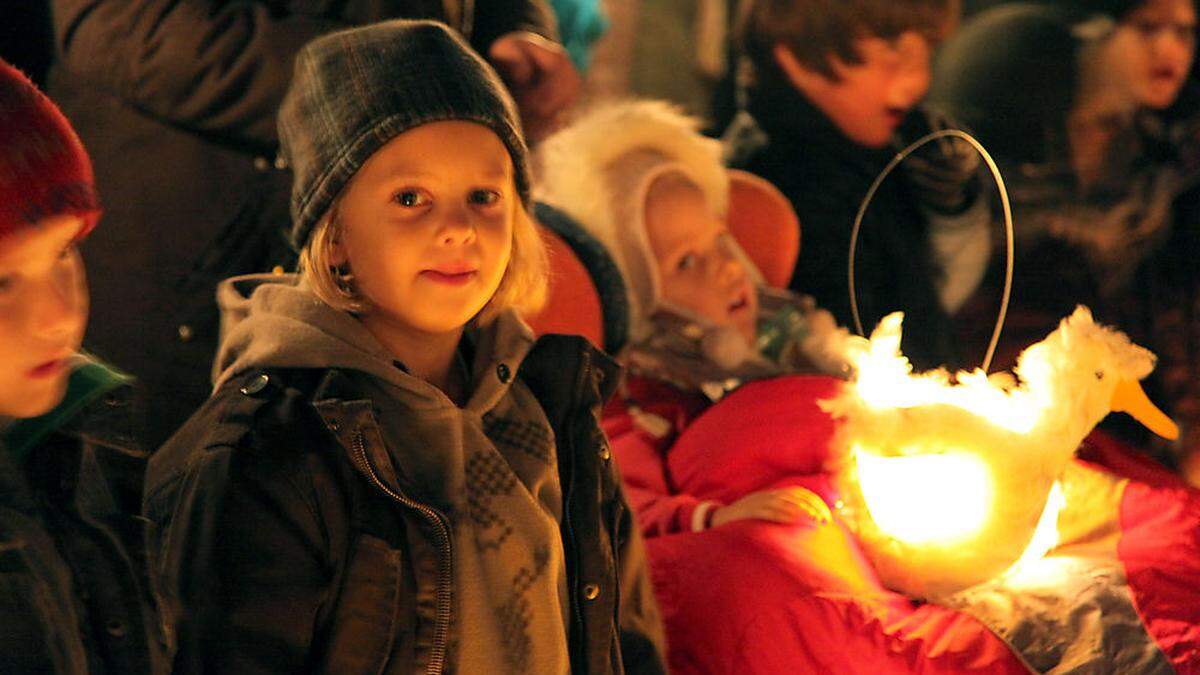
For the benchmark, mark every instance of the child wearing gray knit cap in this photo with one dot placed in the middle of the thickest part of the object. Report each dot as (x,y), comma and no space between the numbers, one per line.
(392,475)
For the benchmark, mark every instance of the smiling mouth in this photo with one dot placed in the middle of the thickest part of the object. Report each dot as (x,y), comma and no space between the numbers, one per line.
(451,278)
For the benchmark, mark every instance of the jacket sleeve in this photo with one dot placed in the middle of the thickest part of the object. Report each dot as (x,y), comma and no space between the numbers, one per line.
(215,67)
(494,18)
(243,568)
(642,458)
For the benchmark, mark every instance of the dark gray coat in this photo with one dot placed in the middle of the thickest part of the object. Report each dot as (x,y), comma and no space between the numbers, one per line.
(285,542)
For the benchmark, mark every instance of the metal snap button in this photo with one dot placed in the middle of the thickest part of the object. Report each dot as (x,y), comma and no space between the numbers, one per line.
(185,332)
(256,385)
(605,453)
(280,163)
(504,373)
(591,592)
(261,164)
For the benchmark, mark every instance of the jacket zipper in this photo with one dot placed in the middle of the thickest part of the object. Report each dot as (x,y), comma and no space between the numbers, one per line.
(442,624)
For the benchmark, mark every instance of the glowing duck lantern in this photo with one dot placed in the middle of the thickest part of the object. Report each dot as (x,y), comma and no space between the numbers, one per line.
(949,481)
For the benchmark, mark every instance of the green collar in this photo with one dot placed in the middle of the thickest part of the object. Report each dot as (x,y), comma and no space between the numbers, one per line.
(89,381)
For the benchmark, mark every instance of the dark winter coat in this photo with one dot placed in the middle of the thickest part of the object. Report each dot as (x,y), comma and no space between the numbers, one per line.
(287,466)
(176,103)
(74,597)
(825,176)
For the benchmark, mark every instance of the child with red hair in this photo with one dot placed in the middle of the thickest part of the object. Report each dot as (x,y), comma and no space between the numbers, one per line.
(74,597)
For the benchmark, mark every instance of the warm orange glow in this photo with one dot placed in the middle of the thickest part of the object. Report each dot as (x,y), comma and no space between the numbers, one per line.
(930,498)
(953,477)
(1045,537)
(884,379)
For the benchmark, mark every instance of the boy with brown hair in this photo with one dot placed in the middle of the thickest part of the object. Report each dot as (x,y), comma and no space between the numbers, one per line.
(829,91)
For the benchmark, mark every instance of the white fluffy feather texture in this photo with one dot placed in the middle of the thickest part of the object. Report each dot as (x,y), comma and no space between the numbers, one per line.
(598,171)
(1065,388)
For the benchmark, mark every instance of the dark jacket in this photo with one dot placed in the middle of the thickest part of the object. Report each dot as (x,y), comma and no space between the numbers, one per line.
(284,466)
(176,102)
(74,597)
(825,176)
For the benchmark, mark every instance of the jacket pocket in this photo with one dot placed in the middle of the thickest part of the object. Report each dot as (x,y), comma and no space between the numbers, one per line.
(368,619)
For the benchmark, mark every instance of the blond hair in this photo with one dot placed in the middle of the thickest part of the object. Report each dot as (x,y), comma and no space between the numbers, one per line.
(523,286)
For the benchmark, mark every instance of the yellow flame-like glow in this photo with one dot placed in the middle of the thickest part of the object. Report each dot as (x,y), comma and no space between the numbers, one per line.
(1045,537)
(921,499)
(884,380)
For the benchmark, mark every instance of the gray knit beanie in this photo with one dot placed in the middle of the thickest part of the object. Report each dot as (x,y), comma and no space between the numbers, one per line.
(355,90)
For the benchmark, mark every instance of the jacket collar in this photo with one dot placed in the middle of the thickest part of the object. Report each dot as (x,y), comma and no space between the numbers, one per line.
(89,382)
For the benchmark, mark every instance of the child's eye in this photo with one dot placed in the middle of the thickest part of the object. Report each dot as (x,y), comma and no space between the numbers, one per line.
(687,262)
(410,198)
(7,283)
(484,197)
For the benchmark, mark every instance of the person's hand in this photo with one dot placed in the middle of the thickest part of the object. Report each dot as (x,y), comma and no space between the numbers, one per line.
(541,77)
(786,505)
(943,173)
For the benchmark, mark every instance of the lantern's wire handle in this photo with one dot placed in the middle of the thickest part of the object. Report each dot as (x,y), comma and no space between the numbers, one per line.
(1008,228)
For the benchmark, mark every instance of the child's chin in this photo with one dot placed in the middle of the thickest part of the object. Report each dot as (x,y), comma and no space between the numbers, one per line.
(877,138)
(38,402)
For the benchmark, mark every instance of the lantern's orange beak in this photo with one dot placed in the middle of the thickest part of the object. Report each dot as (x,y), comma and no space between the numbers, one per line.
(1129,397)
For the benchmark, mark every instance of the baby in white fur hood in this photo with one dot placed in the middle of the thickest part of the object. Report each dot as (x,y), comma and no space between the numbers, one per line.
(641,179)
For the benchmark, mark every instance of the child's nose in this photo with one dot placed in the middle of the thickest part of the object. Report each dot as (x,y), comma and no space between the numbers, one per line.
(914,75)
(58,309)
(1171,44)
(910,87)
(730,269)
(456,227)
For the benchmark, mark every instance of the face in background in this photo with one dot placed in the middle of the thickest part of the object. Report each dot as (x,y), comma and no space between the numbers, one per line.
(696,268)
(426,227)
(1151,50)
(866,101)
(43,313)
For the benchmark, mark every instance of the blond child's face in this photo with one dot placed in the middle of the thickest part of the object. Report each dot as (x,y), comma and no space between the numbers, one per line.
(697,269)
(43,312)
(867,101)
(427,227)
(1151,50)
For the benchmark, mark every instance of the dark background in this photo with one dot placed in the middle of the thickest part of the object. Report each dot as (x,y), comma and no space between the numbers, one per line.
(25,36)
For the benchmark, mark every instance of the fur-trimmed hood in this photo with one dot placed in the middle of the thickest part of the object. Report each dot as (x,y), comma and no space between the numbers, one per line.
(599,172)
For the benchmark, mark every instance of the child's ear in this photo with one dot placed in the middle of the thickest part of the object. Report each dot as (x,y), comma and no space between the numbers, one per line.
(802,77)
(337,251)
